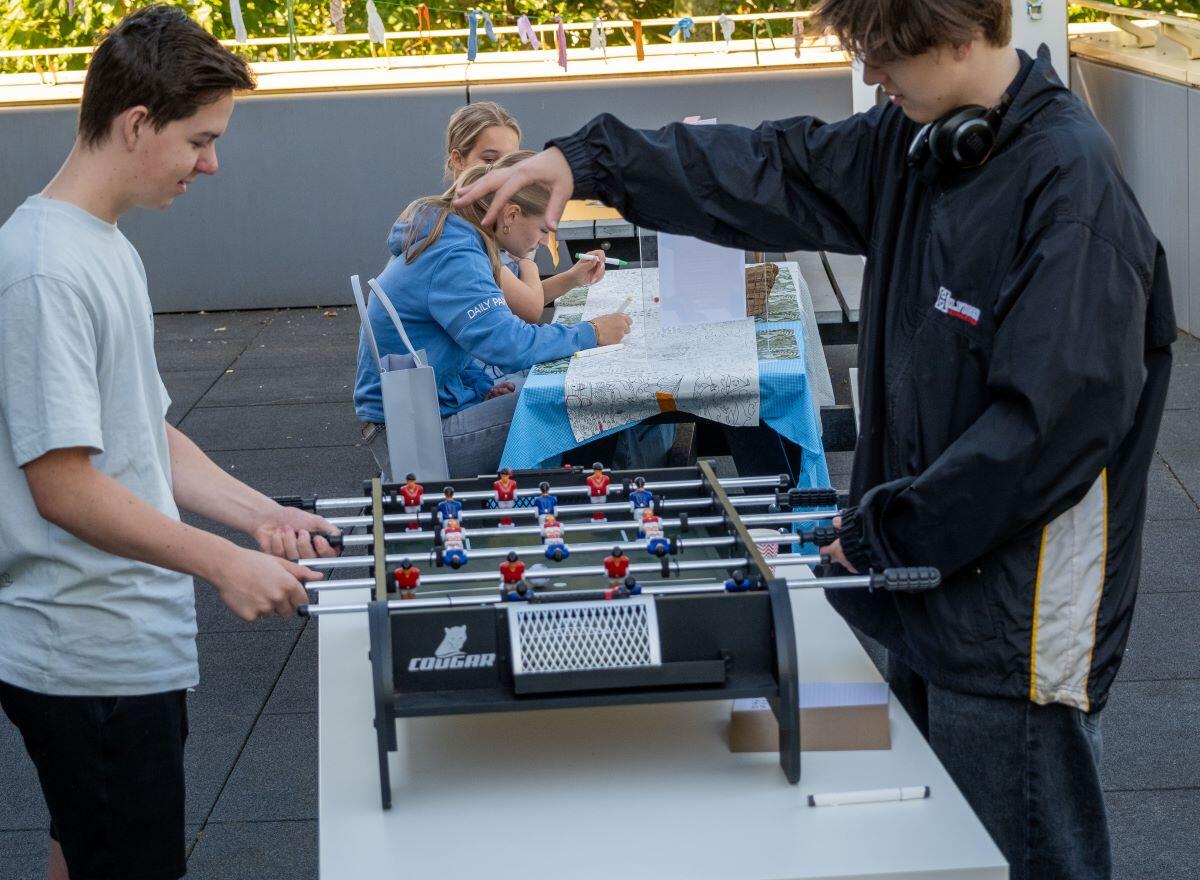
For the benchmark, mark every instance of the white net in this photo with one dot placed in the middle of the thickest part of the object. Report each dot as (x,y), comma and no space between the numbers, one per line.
(572,636)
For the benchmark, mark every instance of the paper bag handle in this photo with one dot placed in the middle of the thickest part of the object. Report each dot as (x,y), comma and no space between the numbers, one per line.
(418,356)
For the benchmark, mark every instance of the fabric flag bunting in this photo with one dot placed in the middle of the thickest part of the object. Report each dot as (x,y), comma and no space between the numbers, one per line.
(488,27)
(560,38)
(472,36)
(798,33)
(423,24)
(337,15)
(599,40)
(375,28)
(727,26)
(527,34)
(637,40)
(683,27)
(239,25)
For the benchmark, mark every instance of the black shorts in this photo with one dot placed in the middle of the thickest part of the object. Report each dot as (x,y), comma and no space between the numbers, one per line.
(111,770)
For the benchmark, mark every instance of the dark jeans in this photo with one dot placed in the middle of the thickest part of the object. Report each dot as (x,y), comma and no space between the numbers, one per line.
(1030,772)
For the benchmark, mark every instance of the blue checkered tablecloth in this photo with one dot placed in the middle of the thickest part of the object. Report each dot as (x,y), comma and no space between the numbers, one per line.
(541,432)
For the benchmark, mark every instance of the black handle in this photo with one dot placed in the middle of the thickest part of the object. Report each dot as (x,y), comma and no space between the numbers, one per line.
(812,497)
(335,541)
(906,580)
(822,535)
(304,502)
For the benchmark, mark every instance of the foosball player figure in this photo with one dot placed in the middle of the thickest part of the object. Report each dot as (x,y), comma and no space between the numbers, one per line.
(408,579)
(628,587)
(519,593)
(597,485)
(454,546)
(651,531)
(738,582)
(411,493)
(448,508)
(552,538)
(506,494)
(545,504)
(616,565)
(512,573)
(640,498)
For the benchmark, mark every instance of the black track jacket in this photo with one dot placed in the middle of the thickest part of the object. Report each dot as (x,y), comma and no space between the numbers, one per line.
(1014,354)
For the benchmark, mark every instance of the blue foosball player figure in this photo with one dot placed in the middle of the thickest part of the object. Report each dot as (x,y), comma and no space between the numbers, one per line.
(448,508)
(650,530)
(629,588)
(738,583)
(454,547)
(545,504)
(640,498)
(552,538)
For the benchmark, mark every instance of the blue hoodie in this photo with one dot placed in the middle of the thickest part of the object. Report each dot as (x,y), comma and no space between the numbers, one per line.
(452,307)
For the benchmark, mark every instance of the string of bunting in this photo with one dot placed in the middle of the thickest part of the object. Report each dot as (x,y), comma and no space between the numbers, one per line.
(684,28)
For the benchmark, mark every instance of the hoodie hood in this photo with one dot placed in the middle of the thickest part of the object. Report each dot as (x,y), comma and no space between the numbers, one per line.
(1039,87)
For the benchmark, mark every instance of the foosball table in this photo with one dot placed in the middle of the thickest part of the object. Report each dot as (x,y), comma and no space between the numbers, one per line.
(573,587)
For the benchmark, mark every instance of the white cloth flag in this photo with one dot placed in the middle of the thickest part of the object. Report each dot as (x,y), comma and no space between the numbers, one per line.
(337,15)
(239,26)
(375,28)
(726,29)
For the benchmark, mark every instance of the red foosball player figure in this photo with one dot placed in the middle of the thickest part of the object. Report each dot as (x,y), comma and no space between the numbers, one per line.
(616,565)
(506,494)
(512,578)
(552,538)
(411,492)
(738,583)
(408,579)
(651,531)
(597,485)
(454,544)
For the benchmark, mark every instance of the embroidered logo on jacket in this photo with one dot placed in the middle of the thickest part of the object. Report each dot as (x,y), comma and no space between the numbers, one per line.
(955,308)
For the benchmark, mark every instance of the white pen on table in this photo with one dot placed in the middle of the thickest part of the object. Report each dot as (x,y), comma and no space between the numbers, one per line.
(602,349)
(608,261)
(625,305)
(869,796)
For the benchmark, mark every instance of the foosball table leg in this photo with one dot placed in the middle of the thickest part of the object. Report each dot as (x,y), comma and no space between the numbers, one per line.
(787,705)
(380,629)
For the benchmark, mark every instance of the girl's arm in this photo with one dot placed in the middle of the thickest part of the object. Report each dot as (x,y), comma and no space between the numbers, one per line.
(524,295)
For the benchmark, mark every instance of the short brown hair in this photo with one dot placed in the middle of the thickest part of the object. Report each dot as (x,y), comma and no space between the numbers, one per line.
(879,31)
(158,58)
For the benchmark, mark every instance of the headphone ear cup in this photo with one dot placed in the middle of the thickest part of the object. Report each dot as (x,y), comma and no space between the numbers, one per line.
(918,150)
(963,139)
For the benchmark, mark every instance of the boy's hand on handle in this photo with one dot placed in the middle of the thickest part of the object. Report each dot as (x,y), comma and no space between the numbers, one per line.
(834,550)
(289,532)
(256,585)
(549,168)
(611,329)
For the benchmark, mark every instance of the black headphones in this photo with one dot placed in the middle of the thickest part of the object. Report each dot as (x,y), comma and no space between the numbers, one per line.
(963,138)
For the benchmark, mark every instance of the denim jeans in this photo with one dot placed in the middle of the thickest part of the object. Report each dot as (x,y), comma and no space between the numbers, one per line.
(1031,773)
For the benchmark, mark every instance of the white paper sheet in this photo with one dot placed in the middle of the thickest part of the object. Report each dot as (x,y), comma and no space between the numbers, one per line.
(700,283)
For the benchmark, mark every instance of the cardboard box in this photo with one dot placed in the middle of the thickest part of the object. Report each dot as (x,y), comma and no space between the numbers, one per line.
(833,717)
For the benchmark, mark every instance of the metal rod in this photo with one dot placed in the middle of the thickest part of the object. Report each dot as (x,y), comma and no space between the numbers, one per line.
(341,562)
(483,494)
(493,599)
(585,525)
(563,510)
(481,577)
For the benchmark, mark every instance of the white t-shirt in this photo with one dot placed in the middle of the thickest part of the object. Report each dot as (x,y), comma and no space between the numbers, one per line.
(77,369)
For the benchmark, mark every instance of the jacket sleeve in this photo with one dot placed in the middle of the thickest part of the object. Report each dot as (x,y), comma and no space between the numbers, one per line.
(471,308)
(792,184)
(1065,378)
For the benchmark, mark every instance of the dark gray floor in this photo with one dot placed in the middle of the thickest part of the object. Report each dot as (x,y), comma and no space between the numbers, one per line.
(267,394)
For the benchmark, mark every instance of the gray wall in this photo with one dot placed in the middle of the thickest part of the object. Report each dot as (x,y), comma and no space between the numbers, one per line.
(1156,127)
(310,184)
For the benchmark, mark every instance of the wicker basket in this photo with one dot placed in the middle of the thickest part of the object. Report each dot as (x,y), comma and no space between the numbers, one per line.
(760,278)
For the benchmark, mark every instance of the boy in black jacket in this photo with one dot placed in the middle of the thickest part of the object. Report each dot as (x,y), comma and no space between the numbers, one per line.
(1014,353)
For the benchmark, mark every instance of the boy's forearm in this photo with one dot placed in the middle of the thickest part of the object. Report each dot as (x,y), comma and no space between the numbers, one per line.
(200,486)
(96,509)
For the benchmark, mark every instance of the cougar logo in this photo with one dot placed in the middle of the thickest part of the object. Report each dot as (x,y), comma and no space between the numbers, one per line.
(450,655)
(451,646)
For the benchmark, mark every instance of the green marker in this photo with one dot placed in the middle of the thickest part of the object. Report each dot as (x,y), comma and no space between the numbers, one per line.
(608,261)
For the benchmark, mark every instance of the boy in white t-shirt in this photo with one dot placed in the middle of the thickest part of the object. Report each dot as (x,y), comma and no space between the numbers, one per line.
(97,612)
